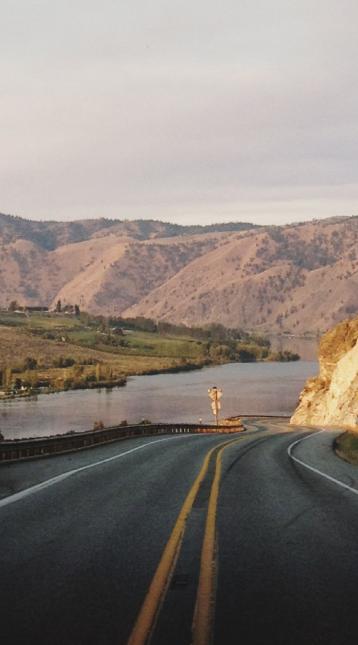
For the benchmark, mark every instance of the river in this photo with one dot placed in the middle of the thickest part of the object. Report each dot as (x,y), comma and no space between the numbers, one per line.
(248,388)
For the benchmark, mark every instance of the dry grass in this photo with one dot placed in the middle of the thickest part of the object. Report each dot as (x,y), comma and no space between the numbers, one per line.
(17,344)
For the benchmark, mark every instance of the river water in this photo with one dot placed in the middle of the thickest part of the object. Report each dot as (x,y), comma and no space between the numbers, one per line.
(248,388)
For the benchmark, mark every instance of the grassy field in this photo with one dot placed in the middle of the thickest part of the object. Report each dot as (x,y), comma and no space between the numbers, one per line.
(74,352)
(88,333)
(64,351)
(347,446)
(139,343)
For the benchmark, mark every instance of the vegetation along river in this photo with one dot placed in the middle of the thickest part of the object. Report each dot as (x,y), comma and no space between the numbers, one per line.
(248,388)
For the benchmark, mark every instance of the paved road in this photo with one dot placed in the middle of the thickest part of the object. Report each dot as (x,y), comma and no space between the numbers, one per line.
(78,554)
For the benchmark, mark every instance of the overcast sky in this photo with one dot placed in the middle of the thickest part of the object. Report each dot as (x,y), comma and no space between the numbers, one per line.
(184,111)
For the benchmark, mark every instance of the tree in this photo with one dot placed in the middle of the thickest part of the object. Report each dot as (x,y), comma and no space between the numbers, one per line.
(104,326)
(77,310)
(246,354)
(30,363)
(77,372)
(7,377)
(98,372)
(31,378)
(13,306)
(58,306)
(108,373)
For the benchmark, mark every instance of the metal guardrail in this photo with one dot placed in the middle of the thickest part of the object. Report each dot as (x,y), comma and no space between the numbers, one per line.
(21,449)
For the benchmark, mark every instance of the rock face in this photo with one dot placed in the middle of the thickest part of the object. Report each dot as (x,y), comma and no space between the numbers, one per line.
(331,398)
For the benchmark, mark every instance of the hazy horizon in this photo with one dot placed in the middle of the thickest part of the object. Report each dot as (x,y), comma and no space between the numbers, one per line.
(179,112)
(177,221)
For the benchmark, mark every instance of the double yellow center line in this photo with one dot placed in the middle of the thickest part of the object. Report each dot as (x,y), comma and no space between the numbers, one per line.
(158,587)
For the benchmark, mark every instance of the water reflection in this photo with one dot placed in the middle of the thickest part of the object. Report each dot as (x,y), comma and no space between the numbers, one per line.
(307,348)
(251,388)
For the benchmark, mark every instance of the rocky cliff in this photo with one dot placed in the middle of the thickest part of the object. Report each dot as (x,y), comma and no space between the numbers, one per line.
(331,398)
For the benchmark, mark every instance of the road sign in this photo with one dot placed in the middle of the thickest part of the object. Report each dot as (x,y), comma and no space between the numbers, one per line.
(215,395)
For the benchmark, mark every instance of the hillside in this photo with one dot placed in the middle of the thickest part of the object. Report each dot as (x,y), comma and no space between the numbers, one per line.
(50,235)
(267,280)
(264,278)
(331,397)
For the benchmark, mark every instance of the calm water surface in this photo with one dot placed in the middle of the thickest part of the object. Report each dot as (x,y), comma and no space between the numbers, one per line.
(248,388)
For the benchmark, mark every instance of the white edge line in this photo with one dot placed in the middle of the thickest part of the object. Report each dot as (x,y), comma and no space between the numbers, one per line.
(58,478)
(315,470)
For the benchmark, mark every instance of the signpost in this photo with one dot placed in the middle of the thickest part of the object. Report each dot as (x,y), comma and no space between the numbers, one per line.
(215,395)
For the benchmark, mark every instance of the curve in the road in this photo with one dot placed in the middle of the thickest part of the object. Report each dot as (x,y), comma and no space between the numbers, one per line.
(77,559)
(312,468)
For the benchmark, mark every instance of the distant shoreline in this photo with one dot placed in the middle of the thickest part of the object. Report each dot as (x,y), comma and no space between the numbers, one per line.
(109,385)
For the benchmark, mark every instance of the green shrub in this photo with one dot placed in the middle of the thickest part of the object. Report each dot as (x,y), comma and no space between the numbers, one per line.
(60,361)
(30,363)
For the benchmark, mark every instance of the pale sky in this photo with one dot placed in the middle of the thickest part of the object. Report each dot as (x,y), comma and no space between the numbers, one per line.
(183,111)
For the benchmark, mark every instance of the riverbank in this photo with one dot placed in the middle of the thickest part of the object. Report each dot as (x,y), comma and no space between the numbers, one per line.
(31,362)
(33,392)
(53,381)
(53,353)
(69,384)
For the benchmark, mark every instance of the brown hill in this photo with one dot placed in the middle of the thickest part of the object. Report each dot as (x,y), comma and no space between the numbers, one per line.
(296,278)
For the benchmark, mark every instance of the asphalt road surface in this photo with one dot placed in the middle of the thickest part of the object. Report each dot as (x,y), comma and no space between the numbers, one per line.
(247,538)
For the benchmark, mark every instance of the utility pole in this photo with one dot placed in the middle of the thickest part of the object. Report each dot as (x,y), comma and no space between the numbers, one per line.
(215,395)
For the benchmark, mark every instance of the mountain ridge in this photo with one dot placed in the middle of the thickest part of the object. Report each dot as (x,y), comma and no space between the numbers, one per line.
(266,278)
(49,234)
